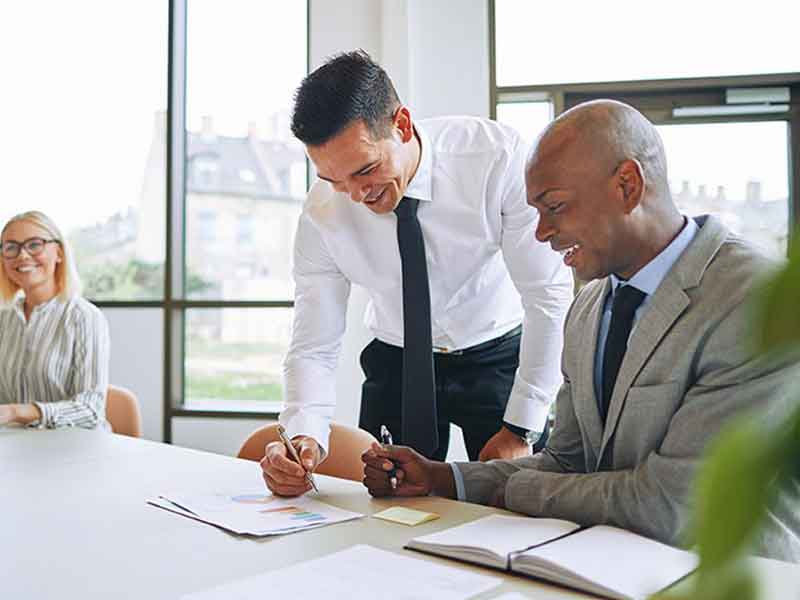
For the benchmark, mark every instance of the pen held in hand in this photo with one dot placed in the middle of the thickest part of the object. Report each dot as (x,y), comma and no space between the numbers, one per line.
(295,457)
(386,439)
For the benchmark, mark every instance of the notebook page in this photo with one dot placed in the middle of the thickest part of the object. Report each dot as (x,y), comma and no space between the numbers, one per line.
(499,534)
(628,564)
(357,573)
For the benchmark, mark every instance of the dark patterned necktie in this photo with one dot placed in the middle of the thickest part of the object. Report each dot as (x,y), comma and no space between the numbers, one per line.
(420,429)
(626,300)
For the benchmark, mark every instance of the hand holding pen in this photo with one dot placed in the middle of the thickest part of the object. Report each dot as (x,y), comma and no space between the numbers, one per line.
(292,453)
(386,440)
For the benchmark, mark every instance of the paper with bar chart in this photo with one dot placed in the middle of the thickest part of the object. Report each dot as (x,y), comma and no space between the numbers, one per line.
(254,513)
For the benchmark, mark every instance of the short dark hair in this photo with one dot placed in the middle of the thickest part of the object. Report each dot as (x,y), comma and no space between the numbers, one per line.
(348,87)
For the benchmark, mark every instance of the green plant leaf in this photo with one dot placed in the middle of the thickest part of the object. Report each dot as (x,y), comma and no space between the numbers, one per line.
(733,489)
(777,322)
(734,583)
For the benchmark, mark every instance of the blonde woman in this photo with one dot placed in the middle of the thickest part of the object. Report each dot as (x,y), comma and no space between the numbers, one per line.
(55,345)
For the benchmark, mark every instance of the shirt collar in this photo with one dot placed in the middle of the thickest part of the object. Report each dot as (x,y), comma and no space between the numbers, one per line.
(19,305)
(649,277)
(421,185)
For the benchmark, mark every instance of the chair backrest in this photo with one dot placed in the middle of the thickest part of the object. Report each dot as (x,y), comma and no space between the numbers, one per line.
(346,444)
(122,411)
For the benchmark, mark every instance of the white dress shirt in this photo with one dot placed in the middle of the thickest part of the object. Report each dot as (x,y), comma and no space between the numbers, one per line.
(487,272)
(58,359)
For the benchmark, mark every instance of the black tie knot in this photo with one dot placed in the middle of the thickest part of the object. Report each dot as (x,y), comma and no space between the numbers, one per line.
(407,209)
(626,300)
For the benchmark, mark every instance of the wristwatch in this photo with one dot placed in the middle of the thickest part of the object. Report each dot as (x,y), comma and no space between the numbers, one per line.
(528,436)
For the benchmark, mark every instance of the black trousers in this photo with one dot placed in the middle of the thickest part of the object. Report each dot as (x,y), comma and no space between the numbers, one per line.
(472,390)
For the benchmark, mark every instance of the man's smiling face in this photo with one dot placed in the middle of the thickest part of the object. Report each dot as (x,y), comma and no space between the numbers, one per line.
(374,172)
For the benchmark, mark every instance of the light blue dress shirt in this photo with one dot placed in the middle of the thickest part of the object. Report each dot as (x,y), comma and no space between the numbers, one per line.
(647,279)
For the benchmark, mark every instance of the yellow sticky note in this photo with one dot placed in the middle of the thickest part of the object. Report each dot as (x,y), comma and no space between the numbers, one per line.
(405,516)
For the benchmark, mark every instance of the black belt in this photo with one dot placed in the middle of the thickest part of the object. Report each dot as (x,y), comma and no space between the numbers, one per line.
(479,347)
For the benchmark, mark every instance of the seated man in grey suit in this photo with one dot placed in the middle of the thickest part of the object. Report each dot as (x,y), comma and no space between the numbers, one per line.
(655,358)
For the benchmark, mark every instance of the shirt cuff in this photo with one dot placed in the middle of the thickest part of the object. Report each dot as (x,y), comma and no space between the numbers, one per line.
(45,420)
(527,407)
(461,493)
(311,426)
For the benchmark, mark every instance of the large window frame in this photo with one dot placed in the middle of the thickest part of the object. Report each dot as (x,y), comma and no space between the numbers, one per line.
(657,98)
(175,303)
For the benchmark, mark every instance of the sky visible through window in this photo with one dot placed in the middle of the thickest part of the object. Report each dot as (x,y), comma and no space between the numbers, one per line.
(585,41)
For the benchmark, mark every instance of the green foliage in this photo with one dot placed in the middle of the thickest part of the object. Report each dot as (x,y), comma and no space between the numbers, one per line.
(746,468)
(778,307)
(227,386)
(729,512)
(732,583)
(134,280)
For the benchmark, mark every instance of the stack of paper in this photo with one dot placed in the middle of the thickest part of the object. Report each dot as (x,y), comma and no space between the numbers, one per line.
(254,513)
(357,573)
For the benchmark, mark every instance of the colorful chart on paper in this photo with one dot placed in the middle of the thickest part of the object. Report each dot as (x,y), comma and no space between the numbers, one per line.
(259,513)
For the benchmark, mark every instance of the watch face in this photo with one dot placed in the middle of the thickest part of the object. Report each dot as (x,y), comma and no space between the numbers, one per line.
(532,437)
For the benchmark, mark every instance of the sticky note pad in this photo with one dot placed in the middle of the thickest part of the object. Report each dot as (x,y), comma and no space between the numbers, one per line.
(405,516)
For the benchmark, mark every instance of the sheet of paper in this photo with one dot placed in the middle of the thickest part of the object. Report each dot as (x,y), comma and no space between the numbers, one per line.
(405,516)
(257,513)
(357,573)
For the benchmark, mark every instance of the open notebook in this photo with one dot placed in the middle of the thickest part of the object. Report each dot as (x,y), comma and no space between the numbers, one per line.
(602,560)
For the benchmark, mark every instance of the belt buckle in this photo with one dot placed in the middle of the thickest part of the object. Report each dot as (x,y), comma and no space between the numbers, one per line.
(443,350)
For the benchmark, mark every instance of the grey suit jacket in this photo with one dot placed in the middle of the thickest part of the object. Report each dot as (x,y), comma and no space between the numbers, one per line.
(687,370)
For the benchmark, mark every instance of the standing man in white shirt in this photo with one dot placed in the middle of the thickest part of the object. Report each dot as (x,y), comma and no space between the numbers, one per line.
(467,308)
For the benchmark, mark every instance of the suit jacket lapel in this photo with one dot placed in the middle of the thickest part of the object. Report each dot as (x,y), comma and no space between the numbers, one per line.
(667,304)
(588,407)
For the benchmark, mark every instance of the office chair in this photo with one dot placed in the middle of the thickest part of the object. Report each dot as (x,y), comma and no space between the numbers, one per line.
(346,445)
(122,411)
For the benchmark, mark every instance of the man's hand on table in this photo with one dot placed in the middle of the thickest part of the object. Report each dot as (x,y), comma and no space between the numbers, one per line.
(283,476)
(504,445)
(416,475)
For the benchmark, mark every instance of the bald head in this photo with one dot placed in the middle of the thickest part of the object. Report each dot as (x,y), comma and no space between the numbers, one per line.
(604,133)
(598,178)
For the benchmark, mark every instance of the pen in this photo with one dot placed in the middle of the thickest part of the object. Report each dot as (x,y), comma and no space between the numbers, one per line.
(386,438)
(293,453)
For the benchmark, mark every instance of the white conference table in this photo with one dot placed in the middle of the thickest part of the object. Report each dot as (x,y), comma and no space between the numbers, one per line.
(74,524)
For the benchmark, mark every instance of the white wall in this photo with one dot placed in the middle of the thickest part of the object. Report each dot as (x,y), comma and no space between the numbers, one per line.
(223,436)
(137,361)
(437,53)
(448,52)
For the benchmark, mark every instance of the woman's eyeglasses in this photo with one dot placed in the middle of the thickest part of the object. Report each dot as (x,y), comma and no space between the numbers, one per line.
(32,246)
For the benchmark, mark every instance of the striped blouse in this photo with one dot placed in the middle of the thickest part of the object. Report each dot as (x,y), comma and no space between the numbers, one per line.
(58,360)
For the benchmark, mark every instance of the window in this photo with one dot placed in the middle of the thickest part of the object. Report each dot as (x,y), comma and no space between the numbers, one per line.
(737,171)
(550,43)
(528,118)
(721,85)
(234,356)
(245,185)
(84,135)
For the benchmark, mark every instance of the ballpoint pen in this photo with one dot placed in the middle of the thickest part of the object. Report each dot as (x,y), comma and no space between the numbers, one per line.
(386,439)
(293,453)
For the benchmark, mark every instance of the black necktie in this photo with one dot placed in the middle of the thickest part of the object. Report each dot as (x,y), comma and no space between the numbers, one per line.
(420,429)
(626,300)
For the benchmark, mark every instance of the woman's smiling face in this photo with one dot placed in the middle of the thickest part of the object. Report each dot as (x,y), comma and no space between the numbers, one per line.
(27,271)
